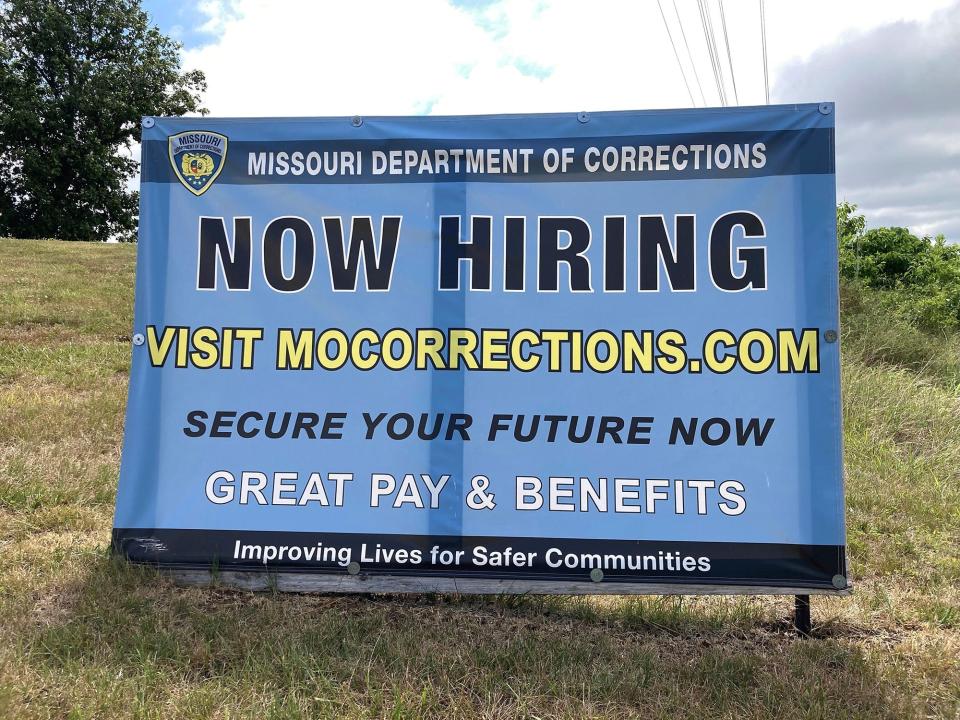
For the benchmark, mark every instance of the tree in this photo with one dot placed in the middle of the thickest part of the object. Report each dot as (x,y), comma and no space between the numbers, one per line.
(850,229)
(887,254)
(881,257)
(75,78)
(849,226)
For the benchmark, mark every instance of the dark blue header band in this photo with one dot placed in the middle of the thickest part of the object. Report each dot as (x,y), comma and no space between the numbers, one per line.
(687,156)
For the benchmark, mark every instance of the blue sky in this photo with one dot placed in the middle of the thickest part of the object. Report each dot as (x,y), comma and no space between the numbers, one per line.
(183,20)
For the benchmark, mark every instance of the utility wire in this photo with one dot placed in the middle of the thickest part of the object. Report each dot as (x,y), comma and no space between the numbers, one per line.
(703,26)
(726,41)
(676,54)
(763,39)
(683,32)
(716,52)
(713,60)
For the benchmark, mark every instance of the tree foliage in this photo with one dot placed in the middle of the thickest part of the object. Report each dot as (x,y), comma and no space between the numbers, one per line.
(75,78)
(921,273)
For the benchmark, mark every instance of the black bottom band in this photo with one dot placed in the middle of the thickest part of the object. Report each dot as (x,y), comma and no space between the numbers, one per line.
(514,558)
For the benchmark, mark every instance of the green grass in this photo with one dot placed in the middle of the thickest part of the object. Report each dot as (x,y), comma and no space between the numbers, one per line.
(877,331)
(86,636)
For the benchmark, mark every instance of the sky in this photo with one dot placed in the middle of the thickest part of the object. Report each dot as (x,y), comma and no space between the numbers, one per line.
(892,67)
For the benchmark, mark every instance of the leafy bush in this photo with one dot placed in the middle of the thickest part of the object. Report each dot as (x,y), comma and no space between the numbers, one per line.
(922,274)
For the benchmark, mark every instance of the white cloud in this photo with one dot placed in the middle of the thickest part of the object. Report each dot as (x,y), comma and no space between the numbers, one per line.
(301,57)
(306,58)
(217,13)
(898,92)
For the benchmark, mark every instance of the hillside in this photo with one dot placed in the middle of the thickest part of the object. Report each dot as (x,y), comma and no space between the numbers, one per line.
(86,636)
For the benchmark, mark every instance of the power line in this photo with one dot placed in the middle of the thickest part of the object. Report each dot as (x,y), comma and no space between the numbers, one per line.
(703,25)
(716,52)
(676,54)
(709,56)
(763,39)
(726,41)
(711,51)
(683,32)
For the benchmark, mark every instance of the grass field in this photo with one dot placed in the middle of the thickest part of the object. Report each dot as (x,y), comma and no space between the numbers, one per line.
(85,636)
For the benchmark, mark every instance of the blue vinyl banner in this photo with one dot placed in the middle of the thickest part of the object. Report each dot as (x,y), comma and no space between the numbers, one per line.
(526,347)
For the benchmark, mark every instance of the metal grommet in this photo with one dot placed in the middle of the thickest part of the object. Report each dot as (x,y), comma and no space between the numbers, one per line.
(826,108)
(149,122)
(839,582)
(830,336)
(596,574)
(353,568)
(357,121)
(138,339)
(583,117)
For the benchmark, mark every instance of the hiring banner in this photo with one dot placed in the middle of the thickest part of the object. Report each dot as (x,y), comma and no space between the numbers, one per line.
(564,347)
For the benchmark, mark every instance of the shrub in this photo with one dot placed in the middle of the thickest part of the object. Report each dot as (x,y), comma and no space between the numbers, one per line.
(921,273)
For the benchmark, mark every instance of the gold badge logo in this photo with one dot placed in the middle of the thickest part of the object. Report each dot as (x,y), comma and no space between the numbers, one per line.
(197,158)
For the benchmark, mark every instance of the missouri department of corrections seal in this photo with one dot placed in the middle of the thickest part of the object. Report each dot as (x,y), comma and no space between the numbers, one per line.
(197,157)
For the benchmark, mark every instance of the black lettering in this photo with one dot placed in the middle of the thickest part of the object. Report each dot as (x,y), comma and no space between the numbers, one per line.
(615,254)
(709,425)
(752,427)
(459,423)
(273,432)
(518,433)
(515,239)
(377,266)
(687,432)
(305,422)
(551,254)
(497,423)
(655,248)
(303,254)
(476,252)
(215,250)
(332,426)
(222,423)
(372,422)
(639,426)
(242,430)
(405,423)
(721,253)
(610,426)
(195,418)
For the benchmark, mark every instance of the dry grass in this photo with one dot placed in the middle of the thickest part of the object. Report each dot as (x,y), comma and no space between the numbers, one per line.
(84,636)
